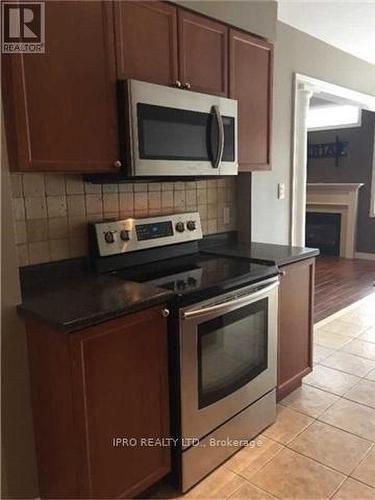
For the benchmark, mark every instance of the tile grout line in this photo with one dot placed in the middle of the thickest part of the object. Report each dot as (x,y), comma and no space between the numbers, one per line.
(343,371)
(338,488)
(308,415)
(264,465)
(347,475)
(252,484)
(326,390)
(316,419)
(286,446)
(341,396)
(361,461)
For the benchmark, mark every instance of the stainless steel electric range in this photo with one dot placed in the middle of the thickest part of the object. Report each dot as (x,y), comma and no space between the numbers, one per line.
(222,334)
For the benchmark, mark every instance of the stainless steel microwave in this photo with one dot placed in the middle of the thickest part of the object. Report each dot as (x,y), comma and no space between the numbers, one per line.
(172,132)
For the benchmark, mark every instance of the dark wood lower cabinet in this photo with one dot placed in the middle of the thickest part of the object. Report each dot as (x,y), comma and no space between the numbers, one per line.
(296,307)
(90,388)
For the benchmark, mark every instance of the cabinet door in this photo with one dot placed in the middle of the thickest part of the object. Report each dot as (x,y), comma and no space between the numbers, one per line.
(121,391)
(296,308)
(203,53)
(146,41)
(60,107)
(250,83)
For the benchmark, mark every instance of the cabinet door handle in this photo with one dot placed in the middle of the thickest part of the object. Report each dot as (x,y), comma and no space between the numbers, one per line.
(178,84)
(117,164)
(187,86)
(165,313)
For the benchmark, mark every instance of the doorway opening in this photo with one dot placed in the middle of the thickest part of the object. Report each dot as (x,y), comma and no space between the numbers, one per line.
(332,189)
(307,89)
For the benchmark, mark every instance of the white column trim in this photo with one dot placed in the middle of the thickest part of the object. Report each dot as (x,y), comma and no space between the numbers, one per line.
(372,193)
(302,102)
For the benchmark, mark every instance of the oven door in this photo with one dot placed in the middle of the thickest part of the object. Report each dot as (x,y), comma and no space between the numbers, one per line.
(180,133)
(227,355)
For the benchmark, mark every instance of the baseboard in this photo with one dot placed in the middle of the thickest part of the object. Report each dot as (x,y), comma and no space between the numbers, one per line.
(364,256)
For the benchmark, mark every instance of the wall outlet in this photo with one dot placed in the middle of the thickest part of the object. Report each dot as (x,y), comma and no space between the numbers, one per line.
(281,190)
(226,215)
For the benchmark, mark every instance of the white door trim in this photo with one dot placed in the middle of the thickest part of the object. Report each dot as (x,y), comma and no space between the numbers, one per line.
(303,88)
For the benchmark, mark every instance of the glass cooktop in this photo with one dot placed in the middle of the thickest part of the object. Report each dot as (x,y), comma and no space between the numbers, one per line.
(198,272)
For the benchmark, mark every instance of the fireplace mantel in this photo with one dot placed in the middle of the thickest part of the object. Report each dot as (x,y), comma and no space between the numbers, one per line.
(339,198)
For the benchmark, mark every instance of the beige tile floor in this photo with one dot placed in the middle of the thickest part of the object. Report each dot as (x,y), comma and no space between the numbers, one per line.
(322,444)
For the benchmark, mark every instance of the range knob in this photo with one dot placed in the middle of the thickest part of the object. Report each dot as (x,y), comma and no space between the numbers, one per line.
(109,237)
(192,282)
(191,225)
(124,235)
(180,227)
(180,285)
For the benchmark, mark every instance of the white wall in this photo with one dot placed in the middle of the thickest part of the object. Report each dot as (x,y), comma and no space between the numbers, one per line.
(296,52)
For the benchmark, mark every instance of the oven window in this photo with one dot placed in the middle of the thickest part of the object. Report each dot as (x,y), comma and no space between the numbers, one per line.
(232,350)
(178,134)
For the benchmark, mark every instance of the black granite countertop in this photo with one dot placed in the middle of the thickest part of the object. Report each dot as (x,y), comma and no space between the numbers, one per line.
(70,296)
(268,253)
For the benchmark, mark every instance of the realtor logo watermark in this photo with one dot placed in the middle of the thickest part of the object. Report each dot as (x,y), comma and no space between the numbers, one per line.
(23,27)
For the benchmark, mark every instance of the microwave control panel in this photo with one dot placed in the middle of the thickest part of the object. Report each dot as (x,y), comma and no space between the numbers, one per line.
(130,235)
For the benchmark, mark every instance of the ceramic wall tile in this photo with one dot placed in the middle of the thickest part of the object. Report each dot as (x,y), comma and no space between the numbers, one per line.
(51,211)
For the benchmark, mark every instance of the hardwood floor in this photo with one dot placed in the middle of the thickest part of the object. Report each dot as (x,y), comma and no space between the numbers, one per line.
(341,282)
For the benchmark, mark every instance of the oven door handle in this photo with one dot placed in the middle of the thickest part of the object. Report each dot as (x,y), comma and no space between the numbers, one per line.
(220,127)
(223,305)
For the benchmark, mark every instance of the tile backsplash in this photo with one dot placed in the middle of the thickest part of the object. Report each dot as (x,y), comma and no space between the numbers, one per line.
(51,211)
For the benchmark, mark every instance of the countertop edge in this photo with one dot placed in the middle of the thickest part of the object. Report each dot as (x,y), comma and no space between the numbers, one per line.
(234,250)
(292,260)
(83,323)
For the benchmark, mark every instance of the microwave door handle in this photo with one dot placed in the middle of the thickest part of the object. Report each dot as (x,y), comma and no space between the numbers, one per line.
(220,127)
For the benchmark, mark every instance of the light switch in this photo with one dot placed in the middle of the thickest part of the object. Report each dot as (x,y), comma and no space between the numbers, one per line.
(281,190)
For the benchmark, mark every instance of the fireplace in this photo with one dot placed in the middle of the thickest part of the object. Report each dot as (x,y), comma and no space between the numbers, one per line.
(341,201)
(323,232)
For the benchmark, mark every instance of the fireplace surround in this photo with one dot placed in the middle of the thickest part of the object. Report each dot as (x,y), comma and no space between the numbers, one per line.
(340,199)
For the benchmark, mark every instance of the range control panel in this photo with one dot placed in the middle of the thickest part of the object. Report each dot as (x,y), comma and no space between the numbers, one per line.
(130,235)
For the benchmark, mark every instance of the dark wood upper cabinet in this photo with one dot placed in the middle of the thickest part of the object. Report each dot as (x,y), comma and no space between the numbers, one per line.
(250,82)
(203,53)
(60,107)
(92,386)
(296,307)
(146,41)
